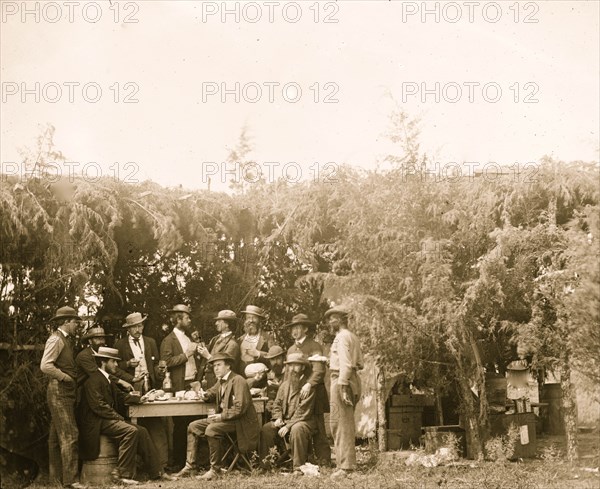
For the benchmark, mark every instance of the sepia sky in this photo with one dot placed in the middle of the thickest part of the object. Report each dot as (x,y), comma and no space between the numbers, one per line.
(377,55)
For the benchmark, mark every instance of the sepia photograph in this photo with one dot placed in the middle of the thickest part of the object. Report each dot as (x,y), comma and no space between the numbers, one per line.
(313,244)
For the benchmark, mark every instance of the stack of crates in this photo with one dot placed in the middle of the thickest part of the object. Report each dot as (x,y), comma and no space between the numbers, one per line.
(405,417)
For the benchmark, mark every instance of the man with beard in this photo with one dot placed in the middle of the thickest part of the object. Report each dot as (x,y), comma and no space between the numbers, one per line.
(235,413)
(255,343)
(58,363)
(136,349)
(315,374)
(223,342)
(275,375)
(292,415)
(345,360)
(102,413)
(86,362)
(178,351)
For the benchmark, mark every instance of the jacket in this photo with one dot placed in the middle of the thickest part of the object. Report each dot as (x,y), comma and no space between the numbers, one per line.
(173,354)
(265,341)
(216,344)
(126,354)
(315,373)
(238,408)
(290,408)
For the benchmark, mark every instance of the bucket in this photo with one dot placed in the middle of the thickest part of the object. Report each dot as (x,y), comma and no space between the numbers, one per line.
(99,472)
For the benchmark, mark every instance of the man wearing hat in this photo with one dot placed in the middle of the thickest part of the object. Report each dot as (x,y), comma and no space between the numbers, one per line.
(86,362)
(344,362)
(179,353)
(292,415)
(223,342)
(58,363)
(136,349)
(102,413)
(315,373)
(235,413)
(255,343)
(275,357)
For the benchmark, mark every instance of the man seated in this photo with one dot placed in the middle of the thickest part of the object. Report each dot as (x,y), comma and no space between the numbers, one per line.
(101,413)
(293,417)
(235,413)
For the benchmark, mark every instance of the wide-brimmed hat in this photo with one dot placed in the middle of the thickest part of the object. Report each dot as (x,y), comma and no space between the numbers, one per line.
(65,312)
(133,319)
(257,311)
(274,351)
(181,308)
(255,368)
(106,352)
(97,332)
(337,310)
(225,315)
(221,356)
(300,319)
(296,358)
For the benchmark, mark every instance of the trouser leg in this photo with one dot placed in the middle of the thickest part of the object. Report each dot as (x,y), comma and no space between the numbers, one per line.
(300,434)
(342,428)
(268,436)
(148,452)
(195,430)
(128,438)
(321,442)
(215,432)
(158,433)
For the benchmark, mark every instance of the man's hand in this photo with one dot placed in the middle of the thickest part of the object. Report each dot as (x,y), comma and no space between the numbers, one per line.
(347,395)
(278,423)
(133,362)
(203,351)
(253,352)
(284,430)
(305,391)
(69,380)
(214,418)
(138,378)
(191,349)
(125,384)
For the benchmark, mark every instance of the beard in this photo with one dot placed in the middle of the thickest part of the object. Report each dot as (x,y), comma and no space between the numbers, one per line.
(295,380)
(277,369)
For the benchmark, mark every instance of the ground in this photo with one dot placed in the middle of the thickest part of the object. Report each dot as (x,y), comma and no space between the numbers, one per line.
(548,471)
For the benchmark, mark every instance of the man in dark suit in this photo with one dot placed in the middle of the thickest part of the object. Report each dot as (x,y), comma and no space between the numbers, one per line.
(224,342)
(136,349)
(255,343)
(235,413)
(292,415)
(179,353)
(300,326)
(101,412)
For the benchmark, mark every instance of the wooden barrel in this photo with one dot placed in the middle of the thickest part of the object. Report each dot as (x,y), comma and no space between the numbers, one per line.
(98,472)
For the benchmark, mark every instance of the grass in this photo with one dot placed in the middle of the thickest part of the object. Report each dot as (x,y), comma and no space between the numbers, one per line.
(548,471)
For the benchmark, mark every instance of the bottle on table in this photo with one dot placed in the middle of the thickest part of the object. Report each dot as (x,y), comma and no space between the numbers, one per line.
(167,386)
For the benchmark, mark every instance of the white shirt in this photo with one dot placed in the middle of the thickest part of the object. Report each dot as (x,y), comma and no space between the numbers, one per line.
(138,351)
(190,366)
(105,374)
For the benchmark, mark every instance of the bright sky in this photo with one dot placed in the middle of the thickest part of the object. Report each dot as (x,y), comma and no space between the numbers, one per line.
(172,56)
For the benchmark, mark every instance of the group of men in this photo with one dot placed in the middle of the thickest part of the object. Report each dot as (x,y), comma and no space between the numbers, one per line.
(87,393)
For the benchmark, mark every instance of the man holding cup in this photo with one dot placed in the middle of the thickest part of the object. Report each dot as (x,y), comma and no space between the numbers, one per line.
(255,343)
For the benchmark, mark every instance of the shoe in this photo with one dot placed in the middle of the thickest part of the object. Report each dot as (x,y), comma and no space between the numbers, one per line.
(77,485)
(340,474)
(297,472)
(166,477)
(208,476)
(127,482)
(187,471)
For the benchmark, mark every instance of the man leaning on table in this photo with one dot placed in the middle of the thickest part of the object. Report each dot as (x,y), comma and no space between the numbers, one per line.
(235,413)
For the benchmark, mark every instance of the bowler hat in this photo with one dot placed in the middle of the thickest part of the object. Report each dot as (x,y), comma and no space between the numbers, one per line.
(274,351)
(181,308)
(106,352)
(65,312)
(97,332)
(133,319)
(221,356)
(296,358)
(300,319)
(226,315)
(336,310)
(257,311)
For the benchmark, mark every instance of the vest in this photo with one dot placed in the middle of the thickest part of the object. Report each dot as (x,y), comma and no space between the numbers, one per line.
(66,361)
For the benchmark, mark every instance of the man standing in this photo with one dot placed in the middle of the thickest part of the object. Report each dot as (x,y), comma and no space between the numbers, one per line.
(86,362)
(101,413)
(223,342)
(178,351)
(315,382)
(345,360)
(136,349)
(292,415)
(58,363)
(235,413)
(255,343)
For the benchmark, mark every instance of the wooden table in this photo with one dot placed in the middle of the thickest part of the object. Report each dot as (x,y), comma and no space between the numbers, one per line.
(173,407)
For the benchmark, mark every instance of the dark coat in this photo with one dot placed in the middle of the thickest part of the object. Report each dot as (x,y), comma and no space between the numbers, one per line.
(316,373)
(101,400)
(290,408)
(239,408)
(217,345)
(172,353)
(151,354)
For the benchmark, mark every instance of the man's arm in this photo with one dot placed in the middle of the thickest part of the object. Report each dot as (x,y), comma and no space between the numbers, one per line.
(304,410)
(96,401)
(51,352)
(317,375)
(345,358)
(241,400)
(168,354)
